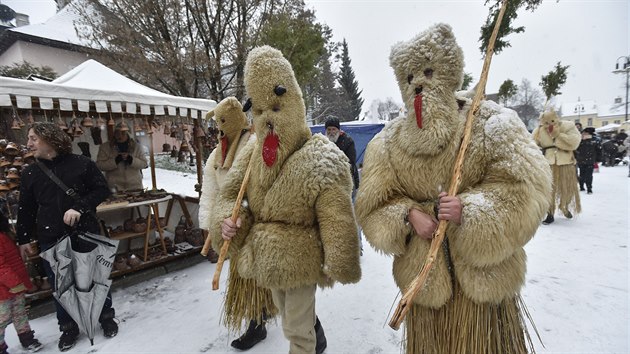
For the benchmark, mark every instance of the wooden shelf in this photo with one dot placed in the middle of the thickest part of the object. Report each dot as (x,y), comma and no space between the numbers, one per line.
(127,234)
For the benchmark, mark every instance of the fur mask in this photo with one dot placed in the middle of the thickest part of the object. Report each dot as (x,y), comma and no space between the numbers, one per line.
(277,106)
(231,121)
(429,69)
(549,121)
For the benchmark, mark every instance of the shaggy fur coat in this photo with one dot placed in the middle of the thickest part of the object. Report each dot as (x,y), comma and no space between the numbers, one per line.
(558,138)
(233,136)
(504,189)
(298,226)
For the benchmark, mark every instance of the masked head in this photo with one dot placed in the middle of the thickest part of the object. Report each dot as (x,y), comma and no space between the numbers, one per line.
(549,121)
(230,118)
(429,69)
(276,104)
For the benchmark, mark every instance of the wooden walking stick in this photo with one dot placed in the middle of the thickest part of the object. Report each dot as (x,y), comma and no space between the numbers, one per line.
(226,244)
(438,237)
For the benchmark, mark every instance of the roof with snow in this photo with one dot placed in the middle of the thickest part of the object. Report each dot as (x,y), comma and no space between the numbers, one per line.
(570,109)
(58,31)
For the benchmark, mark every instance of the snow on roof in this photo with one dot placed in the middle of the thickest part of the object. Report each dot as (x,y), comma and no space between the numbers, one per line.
(570,109)
(608,110)
(60,27)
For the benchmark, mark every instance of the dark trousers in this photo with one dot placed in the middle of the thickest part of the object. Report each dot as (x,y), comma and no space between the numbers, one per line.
(586,175)
(63,318)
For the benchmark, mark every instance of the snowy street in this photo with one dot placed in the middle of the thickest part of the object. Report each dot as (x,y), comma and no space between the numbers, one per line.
(576,292)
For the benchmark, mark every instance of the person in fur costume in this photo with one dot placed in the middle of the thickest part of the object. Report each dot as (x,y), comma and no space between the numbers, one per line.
(233,136)
(558,140)
(297,228)
(471,302)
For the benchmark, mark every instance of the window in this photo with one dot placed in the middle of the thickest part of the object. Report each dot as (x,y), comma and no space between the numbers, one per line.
(576,120)
(589,122)
(604,123)
(617,122)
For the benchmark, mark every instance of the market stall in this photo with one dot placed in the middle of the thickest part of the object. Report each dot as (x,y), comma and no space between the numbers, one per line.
(87,103)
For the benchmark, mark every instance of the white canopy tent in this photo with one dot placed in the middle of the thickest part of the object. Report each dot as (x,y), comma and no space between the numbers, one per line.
(108,90)
(608,128)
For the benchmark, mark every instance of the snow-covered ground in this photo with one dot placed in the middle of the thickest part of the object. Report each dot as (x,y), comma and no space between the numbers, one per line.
(576,291)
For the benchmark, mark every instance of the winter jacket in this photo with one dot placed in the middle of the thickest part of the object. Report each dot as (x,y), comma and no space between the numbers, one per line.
(504,190)
(213,176)
(346,144)
(299,231)
(12,270)
(589,152)
(43,203)
(122,176)
(559,150)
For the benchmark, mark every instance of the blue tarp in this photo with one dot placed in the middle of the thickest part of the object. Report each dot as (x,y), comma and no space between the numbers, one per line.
(360,133)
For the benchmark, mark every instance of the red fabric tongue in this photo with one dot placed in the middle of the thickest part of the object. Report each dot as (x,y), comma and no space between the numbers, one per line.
(417,106)
(550,129)
(224,148)
(270,148)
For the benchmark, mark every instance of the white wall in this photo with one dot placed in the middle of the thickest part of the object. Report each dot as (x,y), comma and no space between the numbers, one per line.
(61,61)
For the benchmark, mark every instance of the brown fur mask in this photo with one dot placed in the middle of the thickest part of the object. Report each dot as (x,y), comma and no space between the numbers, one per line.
(429,69)
(277,108)
(231,121)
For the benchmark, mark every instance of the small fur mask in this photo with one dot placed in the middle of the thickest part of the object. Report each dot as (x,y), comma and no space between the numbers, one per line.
(231,121)
(549,121)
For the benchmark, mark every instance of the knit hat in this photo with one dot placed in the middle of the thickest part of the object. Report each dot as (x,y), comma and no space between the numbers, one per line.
(332,122)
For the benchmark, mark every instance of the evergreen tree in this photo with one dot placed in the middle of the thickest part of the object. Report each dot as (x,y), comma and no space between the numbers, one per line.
(349,87)
(326,100)
(507,90)
(552,82)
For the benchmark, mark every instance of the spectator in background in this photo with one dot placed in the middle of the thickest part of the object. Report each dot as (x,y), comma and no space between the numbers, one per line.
(578,125)
(587,154)
(14,282)
(626,143)
(122,160)
(345,143)
(621,136)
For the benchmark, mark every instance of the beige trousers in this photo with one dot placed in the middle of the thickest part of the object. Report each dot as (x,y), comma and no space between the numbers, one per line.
(297,311)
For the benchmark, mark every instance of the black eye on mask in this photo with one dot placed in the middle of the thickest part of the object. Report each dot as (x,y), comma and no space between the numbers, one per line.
(409,78)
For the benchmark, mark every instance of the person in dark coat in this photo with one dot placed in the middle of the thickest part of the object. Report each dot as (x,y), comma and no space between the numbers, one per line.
(14,282)
(587,154)
(47,213)
(345,143)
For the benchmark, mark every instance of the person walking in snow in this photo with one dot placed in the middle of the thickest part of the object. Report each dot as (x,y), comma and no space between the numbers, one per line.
(558,140)
(14,282)
(234,134)
(470,303)
(297,229)
(587,154)
(47,212)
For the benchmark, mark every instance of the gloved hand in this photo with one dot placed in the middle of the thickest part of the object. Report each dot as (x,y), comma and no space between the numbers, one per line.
(118,159)
(129,160)
(17,289)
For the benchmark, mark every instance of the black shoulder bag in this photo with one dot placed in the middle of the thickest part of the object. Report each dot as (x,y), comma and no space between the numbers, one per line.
(70,192)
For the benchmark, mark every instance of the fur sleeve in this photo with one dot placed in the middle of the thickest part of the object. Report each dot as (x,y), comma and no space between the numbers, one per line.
(503,211)
(569,137)
(338,231)
(225,200)
(209,191)
(380,210)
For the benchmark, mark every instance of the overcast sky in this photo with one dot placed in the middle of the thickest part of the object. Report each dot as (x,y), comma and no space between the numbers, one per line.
(587,35)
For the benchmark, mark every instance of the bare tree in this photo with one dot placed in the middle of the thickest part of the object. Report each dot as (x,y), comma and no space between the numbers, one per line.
(528,103)
(388,109)
(194,48)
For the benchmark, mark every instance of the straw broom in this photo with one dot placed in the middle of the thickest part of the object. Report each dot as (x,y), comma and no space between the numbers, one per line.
(406,302)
